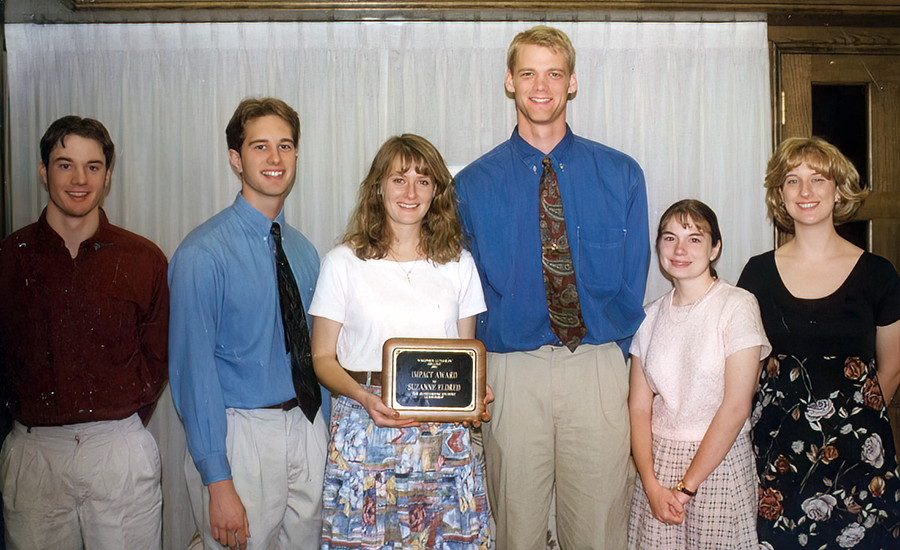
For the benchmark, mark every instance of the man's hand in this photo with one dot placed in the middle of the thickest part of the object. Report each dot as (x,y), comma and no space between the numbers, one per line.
(227,517)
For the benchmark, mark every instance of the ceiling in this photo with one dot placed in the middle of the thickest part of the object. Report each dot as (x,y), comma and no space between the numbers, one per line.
(796,12)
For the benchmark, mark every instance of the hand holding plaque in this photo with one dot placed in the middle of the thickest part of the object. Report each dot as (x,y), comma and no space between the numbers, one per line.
(434,379)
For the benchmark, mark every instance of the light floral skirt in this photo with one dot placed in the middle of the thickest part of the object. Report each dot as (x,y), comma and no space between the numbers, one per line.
(389,488)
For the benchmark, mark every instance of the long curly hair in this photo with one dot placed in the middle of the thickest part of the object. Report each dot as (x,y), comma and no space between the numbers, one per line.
(369,234)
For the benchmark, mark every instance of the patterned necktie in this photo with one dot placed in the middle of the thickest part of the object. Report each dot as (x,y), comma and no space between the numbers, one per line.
(556,257)
(296,333)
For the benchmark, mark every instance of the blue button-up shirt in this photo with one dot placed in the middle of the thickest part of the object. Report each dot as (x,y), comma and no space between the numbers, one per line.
(605,205)
(226,341)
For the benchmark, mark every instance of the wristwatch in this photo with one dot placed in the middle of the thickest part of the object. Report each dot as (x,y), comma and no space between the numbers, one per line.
(682,489)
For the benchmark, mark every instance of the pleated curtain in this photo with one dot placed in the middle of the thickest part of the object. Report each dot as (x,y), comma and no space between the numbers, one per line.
(690,101)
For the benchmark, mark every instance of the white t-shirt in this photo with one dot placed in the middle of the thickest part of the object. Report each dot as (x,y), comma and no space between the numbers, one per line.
(374,300)
(683,349)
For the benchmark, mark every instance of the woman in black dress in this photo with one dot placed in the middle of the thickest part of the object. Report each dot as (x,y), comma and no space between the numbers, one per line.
(825,452)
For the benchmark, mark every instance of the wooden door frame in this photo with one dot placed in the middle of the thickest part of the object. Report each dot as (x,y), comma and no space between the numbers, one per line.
(784,40)
(819,40)
(822,40)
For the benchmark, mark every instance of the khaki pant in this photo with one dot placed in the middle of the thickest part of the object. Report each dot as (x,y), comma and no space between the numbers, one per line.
(92,485)
(277,463)
(563,417)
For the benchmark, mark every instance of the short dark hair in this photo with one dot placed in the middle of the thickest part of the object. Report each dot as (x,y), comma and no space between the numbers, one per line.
(76,126)
(252,108)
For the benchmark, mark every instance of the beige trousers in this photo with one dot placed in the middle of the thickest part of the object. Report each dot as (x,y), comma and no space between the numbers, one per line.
(92,485)
(560,417)
(277,463)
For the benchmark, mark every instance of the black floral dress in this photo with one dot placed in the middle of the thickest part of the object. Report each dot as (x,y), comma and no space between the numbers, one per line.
(825,452)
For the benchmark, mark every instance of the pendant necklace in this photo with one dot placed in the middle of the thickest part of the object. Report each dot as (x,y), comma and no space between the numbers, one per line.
(405,271)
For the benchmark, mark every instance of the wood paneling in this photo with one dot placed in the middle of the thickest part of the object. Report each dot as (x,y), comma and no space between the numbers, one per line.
(885,101)
(830,39)
(795,97)
(884,98)
(880,205)
(770,6)
(879,70)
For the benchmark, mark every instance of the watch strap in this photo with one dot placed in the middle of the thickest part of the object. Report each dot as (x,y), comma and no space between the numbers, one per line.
(682,489)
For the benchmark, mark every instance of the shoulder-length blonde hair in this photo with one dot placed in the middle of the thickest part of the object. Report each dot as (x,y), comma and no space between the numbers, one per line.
(369,234)
(825,159)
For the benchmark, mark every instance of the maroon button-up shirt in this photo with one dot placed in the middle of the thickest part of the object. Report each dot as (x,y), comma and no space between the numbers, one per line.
(82,339)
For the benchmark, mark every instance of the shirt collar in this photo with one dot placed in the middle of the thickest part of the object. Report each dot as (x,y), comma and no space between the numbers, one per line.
(52,238)
(258,222)
(532,157)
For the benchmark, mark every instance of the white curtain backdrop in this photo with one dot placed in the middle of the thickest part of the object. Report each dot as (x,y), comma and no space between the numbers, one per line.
(689,101)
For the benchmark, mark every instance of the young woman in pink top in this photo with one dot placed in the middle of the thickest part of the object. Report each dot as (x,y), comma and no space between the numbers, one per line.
(695,362)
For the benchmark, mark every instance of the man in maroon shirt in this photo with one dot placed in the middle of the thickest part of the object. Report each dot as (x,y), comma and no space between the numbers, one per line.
(83,356)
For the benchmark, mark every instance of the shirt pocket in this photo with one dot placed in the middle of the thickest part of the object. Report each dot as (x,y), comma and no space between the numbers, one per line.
(601,260)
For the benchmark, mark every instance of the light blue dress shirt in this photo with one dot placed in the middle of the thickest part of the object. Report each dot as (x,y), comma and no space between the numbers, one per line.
(226,341)
(605,203)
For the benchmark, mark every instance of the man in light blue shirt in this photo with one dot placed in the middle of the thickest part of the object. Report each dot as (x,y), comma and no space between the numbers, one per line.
(559,415)
(256,460)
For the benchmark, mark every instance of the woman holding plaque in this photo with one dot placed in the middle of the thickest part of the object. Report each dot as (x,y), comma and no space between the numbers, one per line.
(401,271)
(695,361)
(825,451)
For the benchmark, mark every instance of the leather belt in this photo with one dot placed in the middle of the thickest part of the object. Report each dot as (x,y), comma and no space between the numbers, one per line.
(366,378)
(286,406)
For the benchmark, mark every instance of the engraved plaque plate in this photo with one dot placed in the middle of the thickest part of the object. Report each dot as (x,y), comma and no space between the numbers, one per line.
(434,379)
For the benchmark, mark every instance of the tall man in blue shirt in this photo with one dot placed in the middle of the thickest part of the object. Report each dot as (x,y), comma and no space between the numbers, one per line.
(258,458)
(554,331)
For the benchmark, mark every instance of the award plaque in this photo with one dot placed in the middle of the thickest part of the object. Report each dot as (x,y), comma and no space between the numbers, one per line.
(439,379)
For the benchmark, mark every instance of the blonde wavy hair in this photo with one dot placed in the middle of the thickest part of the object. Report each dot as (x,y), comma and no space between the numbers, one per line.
(369,234)
(825,159)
